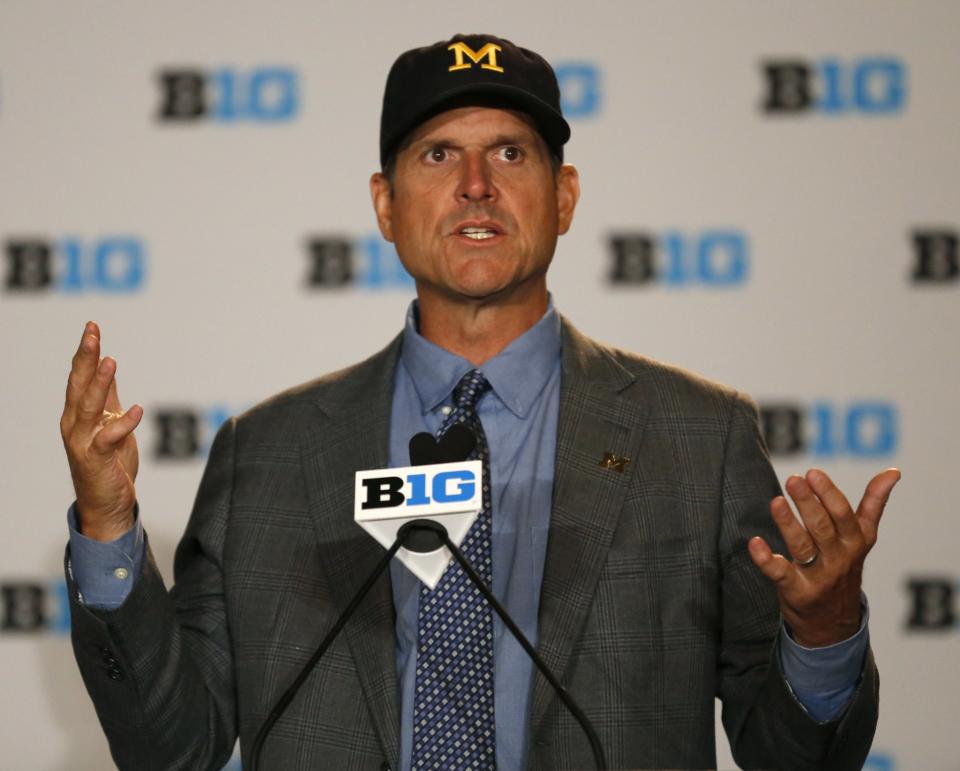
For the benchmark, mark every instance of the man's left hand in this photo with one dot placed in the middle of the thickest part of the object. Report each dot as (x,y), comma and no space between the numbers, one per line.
(820,590)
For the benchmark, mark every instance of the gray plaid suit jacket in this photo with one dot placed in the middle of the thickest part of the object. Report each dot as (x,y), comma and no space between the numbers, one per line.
(650,606)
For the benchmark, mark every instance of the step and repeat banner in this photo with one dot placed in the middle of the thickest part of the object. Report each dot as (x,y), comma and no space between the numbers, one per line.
(771,197)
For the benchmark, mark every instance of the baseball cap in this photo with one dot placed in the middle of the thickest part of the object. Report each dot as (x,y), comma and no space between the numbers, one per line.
(425,81)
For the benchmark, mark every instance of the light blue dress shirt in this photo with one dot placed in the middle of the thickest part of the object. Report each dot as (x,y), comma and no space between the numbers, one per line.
(519,416)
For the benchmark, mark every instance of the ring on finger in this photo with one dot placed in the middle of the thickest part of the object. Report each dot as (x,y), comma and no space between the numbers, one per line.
(109,417)
(808,562)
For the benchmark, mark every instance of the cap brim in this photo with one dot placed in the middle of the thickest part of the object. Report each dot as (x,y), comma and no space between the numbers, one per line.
(550,123)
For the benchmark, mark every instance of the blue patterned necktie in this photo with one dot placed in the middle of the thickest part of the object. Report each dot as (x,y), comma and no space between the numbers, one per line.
(453,724)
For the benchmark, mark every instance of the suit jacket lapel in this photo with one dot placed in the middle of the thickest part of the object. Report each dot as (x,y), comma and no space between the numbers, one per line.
(353,434)
(587,497)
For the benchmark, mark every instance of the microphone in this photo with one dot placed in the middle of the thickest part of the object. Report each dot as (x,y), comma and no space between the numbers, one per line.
(284,701)
(427,546)
(439,484)
(455,445)
(378,494)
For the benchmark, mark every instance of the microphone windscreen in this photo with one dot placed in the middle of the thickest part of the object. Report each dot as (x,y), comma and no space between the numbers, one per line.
(423,449)
(454,446)
(457,444)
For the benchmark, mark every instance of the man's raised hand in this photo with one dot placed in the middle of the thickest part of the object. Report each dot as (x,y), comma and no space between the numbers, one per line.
(820,590)
(98,437)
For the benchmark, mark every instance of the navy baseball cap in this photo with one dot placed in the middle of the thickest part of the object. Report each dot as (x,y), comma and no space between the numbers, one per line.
(426,81)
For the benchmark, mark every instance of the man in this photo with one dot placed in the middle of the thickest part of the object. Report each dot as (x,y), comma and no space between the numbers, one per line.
(620,501)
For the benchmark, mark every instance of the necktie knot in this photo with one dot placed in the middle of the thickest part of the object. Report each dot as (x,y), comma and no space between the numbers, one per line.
(468,391)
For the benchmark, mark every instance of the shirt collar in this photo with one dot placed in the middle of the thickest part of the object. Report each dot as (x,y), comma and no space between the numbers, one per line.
(518,374)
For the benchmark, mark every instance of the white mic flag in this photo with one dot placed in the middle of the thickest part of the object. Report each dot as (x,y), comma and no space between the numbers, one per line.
(447,493)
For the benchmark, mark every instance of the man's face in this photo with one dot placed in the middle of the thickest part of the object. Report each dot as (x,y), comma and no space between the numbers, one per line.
(476,205)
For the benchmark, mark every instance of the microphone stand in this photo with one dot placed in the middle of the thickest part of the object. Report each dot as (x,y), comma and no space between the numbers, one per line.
(284,701)
(440,532)
(424,535)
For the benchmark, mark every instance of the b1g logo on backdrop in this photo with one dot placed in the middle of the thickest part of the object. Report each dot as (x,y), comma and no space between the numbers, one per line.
(34,607)
(935,256)
(874,85)
(580,89)
(109,264)
(933,603)
(229,95)
(368,262)
(709,258)
(185,433)
(861,429)
(879,761)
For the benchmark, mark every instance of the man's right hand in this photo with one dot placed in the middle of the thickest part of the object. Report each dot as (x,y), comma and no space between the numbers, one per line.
(98,437)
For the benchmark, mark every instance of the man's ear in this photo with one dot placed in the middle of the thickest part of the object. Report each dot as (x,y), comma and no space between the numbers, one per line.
(382,195)
(568,193)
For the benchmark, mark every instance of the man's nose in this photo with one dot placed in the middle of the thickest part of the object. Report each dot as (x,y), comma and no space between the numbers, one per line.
(476,181)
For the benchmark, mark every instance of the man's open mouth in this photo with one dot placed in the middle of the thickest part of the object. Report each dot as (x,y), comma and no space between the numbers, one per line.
(478,234)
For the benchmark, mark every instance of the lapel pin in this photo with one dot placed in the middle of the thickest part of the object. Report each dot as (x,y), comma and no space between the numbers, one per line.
(614,462)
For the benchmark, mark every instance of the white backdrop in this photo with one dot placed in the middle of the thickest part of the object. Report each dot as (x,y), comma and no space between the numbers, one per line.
(783,245)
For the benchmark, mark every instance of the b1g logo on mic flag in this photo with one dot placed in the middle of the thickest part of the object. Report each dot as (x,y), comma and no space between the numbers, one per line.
(449,493)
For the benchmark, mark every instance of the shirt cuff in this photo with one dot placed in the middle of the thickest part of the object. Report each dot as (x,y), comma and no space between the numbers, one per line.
(824,679)
(104,571)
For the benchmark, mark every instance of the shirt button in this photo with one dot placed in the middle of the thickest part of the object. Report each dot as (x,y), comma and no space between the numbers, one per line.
(446,409)
(121,574)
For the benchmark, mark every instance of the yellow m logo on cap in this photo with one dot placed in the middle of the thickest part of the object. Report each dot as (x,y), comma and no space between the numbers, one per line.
(462,51)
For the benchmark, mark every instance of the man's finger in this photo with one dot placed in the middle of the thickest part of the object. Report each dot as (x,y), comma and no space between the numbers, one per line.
(818,523)
(798,540)
(874,500)
(836,505)
(94,399)
(84,364)
(773,566)
(113,398)
(117,430)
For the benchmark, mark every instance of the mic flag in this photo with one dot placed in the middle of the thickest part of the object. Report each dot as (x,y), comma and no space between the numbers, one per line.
(449,494)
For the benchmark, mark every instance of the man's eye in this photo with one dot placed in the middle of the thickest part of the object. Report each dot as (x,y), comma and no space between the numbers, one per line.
(510,153)
(437,155)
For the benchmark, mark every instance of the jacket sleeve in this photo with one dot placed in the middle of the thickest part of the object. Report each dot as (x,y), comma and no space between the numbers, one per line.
(766,725)
(159,668)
